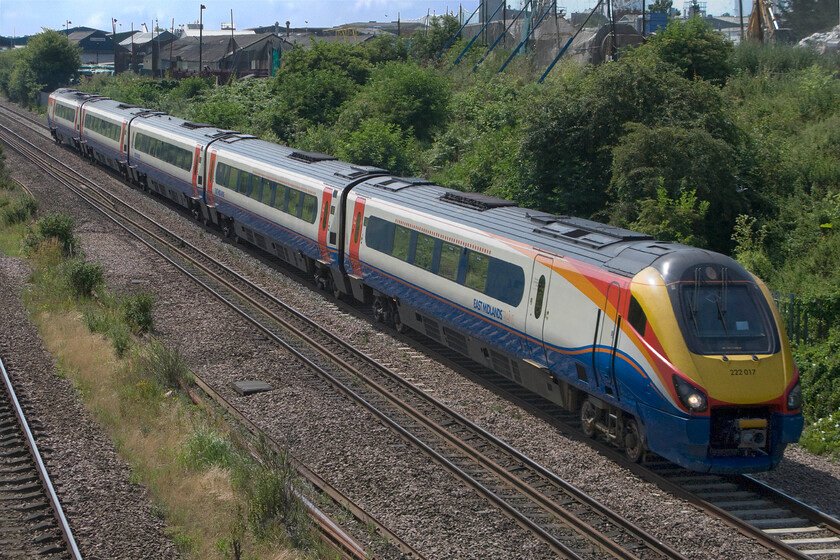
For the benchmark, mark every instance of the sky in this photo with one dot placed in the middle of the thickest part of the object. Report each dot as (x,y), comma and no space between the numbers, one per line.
(27,17)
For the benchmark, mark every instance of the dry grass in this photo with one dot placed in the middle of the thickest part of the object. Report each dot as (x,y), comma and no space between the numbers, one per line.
(149,428)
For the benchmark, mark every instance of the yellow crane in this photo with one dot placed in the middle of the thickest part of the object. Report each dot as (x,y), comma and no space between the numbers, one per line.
(763,25)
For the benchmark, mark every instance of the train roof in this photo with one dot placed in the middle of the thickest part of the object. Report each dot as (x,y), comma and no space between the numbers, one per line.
(329,170)
(74,96)
(612,248)
(198,132)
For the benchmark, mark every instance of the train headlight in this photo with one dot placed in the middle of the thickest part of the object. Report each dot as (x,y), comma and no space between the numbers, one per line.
(794,397)
(690,396)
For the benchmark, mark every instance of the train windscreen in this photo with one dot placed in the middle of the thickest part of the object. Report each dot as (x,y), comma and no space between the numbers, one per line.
(726,318)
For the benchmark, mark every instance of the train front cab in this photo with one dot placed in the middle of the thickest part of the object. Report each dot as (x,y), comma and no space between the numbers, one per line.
(717,343)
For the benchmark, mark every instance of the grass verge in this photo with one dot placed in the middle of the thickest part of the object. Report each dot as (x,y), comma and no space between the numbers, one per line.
(217,501)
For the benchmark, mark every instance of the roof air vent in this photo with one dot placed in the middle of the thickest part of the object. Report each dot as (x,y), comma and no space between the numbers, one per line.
(477,201)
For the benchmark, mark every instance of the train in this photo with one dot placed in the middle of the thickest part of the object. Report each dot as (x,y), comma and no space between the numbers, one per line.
(658,347)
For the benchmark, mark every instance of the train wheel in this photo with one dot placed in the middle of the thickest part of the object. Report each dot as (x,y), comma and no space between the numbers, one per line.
(227,227)
(379,311)
(196,213)
(588,417)
(634,446)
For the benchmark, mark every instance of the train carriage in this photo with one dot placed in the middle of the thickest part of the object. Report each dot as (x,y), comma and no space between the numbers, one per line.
(166,155)
(284,201)
(64,111)
(104,131)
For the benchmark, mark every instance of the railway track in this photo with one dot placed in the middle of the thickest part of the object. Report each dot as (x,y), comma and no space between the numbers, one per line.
(571,523)
(104,202)
(32,522)
(781,523)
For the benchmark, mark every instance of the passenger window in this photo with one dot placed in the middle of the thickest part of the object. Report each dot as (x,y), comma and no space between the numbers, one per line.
(424,253)
(256,187)
(280,197)
(477,265)
(505,281)
(538,304)
(294,202)
(310,208)
(358,227)
(268,192)
(379,234)
(402,242)
(450,257)
(234,179)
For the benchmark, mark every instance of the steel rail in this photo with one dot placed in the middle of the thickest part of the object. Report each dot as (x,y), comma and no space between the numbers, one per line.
(55,503)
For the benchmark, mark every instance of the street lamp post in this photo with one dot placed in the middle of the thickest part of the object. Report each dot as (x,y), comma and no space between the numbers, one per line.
(114,28)
(67,26)
(201,38)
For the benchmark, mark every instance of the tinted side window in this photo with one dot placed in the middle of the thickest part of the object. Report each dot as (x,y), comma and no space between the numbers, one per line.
(310,208)
(294,202)
(477,265)
(538,304)
(505,282)
(424,253)
(402,242)
(379,235)
(636,316)
(450,257)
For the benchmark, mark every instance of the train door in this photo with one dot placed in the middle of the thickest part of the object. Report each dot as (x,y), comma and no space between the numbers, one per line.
(323,226)
(196,165)
(538,308)
(356,235)
(606,340)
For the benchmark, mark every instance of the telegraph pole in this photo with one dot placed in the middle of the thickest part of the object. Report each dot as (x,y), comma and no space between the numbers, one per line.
(200,38)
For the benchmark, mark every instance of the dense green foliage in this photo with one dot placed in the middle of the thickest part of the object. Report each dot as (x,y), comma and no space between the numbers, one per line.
(695,48)
(48,61)
(686,138)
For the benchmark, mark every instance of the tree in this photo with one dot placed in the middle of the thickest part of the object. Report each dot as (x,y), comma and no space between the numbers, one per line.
(673,220)
(404,94)
(696,48)
(379,144)
(313,84)
(665,163)
(805,17)
(565,154)
(426,44)
(53,59)
(661,6)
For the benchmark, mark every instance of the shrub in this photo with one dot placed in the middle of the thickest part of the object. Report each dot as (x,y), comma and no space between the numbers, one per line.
(60,227)
(379,144)
(162,364)
(137,311)
(205,448)
(819,365)
(823,436)
(273,498)
(20,210)
(83,277)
